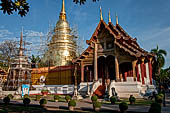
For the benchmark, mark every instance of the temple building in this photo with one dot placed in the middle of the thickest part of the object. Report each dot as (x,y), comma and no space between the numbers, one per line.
(114,61)
(62,47)
(20,70)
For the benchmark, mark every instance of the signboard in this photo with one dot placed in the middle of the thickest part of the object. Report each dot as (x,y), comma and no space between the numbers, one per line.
(25,89)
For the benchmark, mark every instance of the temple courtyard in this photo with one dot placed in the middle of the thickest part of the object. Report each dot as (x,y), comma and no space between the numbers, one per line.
(85,105)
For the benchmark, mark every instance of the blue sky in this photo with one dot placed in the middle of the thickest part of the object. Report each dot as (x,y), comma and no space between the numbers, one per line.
(147,20)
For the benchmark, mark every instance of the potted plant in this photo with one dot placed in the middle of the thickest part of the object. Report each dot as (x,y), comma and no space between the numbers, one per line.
(6,100)
(38,97)
(113,99)
(132,100)
(56,98)
(10,96)
(43,102)
(123,107)
(71,105)
(155,108)
(97,106)
(68,98)
(94,98)
(159,99)
(44,92)
(26,101)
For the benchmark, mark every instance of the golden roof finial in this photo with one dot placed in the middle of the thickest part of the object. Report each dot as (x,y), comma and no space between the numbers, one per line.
(63,8)
(109,17)
(117,19)
(101,17)
(63,13)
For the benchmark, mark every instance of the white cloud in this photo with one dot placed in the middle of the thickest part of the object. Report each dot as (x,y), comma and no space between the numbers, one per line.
(5,33)
(154,37)
(31,33)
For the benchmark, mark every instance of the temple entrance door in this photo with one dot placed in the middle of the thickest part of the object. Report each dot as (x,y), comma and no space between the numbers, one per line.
(110,61)
(101,69)
(126,70)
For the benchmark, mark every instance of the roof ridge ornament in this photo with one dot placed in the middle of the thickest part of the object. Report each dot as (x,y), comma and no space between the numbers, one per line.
(109,17)
(116,19)
(101,16)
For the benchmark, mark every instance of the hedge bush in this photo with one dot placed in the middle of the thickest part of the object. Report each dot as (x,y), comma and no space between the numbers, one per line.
(26,96)
(38,97)
(56,97)
(10,96)
(68,98)
(72,103)
(158,99)
(43,101)
(155,108)
(94,98)
(26,101)
(123,106)
(132,99)
(6,100)
(113,99)
(97,104)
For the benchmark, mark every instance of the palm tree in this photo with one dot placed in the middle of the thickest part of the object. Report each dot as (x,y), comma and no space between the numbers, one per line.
(159,57)
(159,62)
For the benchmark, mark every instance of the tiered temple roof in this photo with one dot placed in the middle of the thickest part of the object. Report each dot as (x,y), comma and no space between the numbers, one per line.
(121,39)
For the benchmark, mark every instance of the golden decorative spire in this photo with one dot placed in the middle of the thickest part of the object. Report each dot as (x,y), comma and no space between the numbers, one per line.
(63,8)
(101,17)
(63,13)
(116,19)
(109,17)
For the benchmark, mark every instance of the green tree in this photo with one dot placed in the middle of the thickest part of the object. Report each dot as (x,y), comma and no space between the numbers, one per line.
(8,50)
(34,61)
(82,1)
(10,6)
(22,6)
(160,58)
(159,63)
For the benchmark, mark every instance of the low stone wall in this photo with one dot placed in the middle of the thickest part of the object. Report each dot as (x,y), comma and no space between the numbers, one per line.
(8,92)
(54,89)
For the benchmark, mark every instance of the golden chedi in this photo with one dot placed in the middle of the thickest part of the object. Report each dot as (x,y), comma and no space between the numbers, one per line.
(62,47)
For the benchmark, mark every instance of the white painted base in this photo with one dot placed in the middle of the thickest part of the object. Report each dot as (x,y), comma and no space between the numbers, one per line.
(54,89)
(84,89)
(130,87)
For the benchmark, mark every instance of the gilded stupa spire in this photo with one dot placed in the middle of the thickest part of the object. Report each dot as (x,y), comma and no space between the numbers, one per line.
(116,19)
(101,16)
(63,13)
(109,17)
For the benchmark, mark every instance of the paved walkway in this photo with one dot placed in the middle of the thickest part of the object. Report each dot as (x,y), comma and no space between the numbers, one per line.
(86,105)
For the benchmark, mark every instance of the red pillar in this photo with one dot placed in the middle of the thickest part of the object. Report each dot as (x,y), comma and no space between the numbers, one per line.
(137,73)
(82,71)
